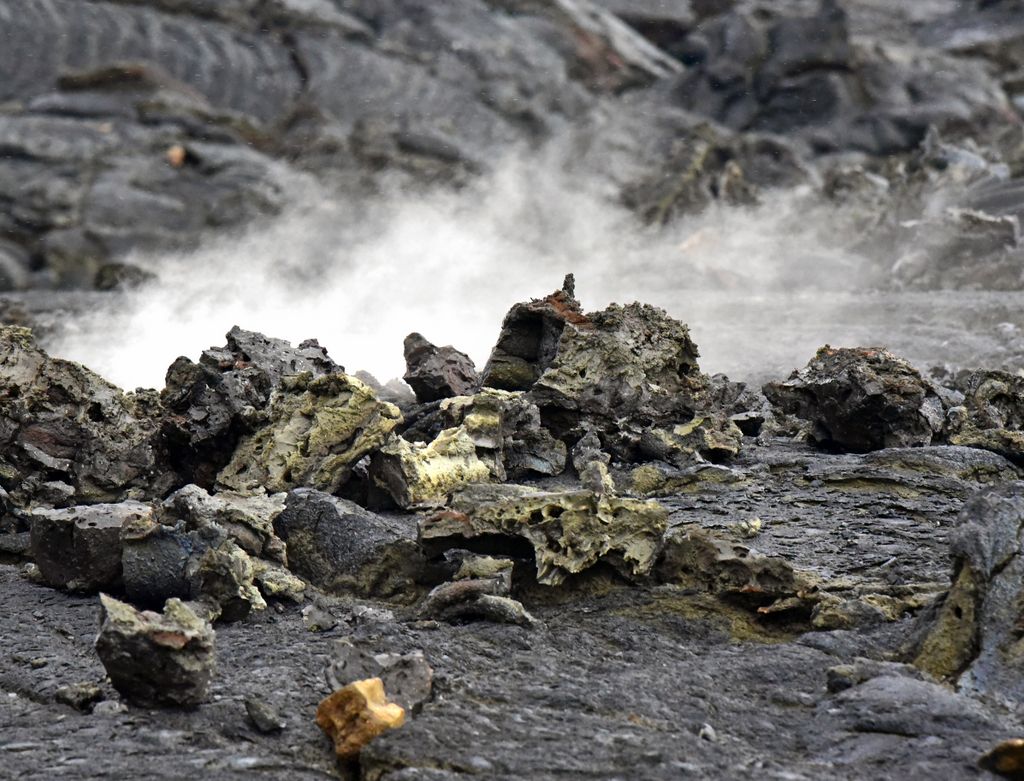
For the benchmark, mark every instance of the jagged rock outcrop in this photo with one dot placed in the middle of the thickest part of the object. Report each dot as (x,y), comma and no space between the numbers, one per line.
(67,436)
(214,402)
(973,635)
(568,532)
(617,372)
(861,399)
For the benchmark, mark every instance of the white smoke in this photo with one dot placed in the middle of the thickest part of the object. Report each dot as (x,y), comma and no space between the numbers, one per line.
(359,276)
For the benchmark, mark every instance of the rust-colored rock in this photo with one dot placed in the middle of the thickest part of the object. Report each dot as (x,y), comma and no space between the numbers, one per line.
(1006,759)
(356,714)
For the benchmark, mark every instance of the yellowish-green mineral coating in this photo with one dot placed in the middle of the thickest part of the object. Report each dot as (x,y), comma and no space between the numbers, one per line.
(425,474)
(177,618)
(481,415)
(277,582)
(569,531)
(952,641)
(319,427)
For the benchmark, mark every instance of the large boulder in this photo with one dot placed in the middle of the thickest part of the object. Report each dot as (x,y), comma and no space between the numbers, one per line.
(341,547)
(861,399)
(214,402)
(318,429)
(61,424)
(616,372)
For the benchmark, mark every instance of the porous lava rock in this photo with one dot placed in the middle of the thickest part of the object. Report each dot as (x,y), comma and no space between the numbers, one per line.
(860,399)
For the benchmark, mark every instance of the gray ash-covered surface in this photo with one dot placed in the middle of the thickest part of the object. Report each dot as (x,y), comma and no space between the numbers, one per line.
(614,685)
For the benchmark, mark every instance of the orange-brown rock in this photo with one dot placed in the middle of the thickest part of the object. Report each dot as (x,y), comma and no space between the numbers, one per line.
(356,714)
(1006,759)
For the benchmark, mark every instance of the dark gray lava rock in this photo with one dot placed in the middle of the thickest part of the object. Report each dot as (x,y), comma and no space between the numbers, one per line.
(211,404)
(156,659)
(861,399)
(777,70)
(61,422)
(408,678)
(79,548)
(973,636)
(900,705)
(437,372)
(339,546)
(161,561)
(528,342)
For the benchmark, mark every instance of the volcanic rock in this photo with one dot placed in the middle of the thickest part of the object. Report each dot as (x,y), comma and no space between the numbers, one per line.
(436,373)
(992,415)
(1006,759)
(79,548)
(356,714)
(506,429)
(973,637)
(479,590)
(711,437)
(567,531)
(425,474)
(861,399)
(529,339)
(61,422)
(696,559)
(339,546)
(156,659)
(247,518)
(263,717)
(80,696)
(161,561)
(615,372)
(318,429)
(631,367)
(214,402)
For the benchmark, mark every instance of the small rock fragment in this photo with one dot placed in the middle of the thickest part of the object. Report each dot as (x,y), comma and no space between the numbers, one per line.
(80,696)
(156,659)
(356,714)
(263,717)
(436,373)
(408,678)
